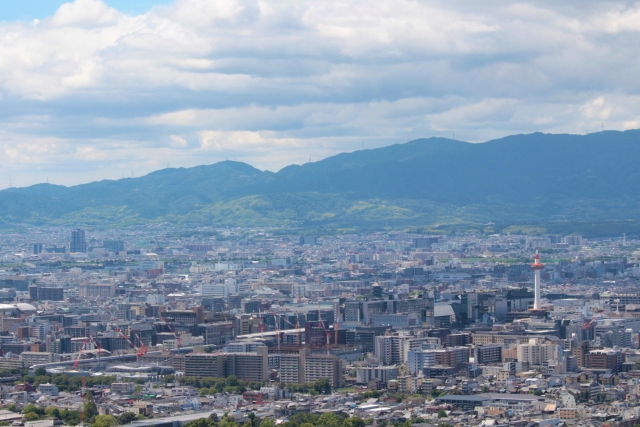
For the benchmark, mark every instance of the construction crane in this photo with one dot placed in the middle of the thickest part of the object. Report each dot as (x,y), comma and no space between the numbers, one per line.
(76,362)
(595,318)
(141,351)
(143,348)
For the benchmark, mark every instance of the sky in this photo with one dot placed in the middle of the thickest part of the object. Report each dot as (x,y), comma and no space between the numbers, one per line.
(93,90)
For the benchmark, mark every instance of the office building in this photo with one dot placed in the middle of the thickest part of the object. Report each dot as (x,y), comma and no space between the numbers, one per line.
(206,365)
(245,366)
(290,370)
(606,359)
(488,353)
(78,242)
(42,293)
(104,288)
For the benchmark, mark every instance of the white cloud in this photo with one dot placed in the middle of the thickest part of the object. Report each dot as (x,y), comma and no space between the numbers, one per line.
(273,82)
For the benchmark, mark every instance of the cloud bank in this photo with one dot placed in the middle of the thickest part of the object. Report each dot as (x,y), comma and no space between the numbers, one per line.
(92,93)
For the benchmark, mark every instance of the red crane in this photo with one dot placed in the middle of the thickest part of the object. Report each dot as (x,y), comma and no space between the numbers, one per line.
(77,361)
(142,350)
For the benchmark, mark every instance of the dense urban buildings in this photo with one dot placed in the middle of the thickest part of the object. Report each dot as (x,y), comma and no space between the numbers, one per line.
(472,324)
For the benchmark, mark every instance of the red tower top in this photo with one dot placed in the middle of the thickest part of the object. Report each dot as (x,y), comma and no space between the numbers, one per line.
(536,262)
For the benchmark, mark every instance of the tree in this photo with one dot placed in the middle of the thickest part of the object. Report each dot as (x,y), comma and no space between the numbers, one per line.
(52,412)
(31,416)
(353,422)
(442,413)
(227,421)
(253,419)
(70,417)
(13,407)
(40,372)
(90,408)
(127,417)
(213,418)
(329,419)
(322,386)
(105,421)
(137,389)
(202,422)
(33,408)
(268,422)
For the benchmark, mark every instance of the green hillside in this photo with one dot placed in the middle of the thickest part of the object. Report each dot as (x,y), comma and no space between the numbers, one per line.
(537,180)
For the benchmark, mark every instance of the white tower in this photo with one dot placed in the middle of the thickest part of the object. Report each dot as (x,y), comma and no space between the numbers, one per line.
(536,267)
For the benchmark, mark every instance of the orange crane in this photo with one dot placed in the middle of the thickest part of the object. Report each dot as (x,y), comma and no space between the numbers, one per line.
(141,351)
(84,345)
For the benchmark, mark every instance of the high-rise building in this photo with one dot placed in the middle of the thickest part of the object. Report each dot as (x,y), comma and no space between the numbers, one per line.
(318,366)
(290,370)
(78,242)
(37,248)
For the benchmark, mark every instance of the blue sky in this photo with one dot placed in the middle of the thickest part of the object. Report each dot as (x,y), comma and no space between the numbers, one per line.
(96,89)
(14,10)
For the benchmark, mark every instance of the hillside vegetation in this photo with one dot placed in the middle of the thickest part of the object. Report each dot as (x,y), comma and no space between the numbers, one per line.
(539,181)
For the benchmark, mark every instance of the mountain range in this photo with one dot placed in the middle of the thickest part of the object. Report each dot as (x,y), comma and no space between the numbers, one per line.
(540,181)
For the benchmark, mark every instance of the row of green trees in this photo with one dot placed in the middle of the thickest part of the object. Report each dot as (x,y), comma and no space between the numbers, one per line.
(212,385)
(66,382)
(321,386)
